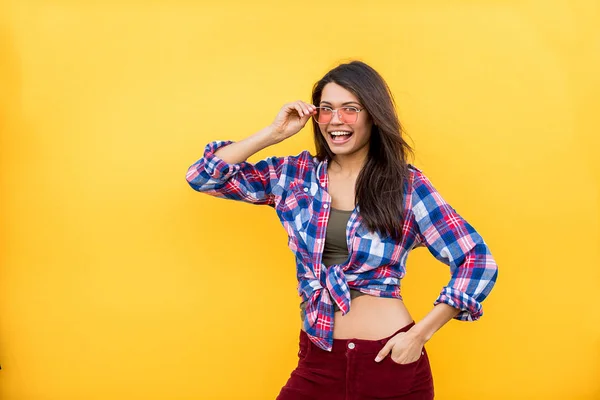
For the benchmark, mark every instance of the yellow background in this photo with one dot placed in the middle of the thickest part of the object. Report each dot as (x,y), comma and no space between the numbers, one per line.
(118,281)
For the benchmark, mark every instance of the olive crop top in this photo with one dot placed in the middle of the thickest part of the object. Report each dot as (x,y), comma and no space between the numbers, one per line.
(335,250)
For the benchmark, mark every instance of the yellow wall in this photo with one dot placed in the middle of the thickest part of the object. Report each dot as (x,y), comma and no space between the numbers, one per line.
(118,281)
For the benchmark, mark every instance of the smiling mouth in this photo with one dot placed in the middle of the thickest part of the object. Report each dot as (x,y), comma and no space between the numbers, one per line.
(339,137)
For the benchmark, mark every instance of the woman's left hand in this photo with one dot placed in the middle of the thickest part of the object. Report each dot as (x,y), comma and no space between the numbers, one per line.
(405,347)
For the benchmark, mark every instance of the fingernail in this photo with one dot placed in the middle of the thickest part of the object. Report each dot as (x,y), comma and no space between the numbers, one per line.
(377,359)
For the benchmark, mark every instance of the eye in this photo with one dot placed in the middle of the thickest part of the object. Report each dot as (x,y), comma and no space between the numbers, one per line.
(351,109)
(326,109)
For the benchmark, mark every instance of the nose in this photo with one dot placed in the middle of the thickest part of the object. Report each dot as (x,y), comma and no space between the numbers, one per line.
(335,118)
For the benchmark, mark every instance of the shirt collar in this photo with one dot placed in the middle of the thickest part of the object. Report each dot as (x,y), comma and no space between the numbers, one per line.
(322,173)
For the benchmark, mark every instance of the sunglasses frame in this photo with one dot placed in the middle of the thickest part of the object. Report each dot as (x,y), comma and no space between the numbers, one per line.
(334,111)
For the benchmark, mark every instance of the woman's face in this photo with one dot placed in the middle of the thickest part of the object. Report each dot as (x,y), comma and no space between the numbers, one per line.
(344,138)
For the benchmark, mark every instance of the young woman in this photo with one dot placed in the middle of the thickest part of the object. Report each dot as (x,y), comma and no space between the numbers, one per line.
(353,213)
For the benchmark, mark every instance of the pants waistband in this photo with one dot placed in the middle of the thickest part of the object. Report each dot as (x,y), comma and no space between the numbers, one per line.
(360,345)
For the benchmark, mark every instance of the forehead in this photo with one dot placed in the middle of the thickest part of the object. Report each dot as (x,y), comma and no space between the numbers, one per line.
(337,95)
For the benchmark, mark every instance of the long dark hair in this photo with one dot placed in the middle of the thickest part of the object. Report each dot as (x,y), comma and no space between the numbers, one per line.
(379,186)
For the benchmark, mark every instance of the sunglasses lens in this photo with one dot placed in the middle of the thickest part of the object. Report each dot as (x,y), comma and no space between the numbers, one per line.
(348,115)
(323,115)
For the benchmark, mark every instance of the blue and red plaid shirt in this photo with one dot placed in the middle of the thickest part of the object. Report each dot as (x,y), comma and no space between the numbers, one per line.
(296,187)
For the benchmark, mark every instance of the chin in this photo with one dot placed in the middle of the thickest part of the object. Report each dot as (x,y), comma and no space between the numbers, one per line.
(342,152)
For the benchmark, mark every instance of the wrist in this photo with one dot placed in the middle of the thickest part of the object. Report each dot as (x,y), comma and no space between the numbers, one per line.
(420,333)
(266,137)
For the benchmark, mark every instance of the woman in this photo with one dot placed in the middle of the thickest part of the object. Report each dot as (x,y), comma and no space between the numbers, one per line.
(353,213)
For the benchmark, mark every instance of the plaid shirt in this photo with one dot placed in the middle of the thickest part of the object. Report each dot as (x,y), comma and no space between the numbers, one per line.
(296,187)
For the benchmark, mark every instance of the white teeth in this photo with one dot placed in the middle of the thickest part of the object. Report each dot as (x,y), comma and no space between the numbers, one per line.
(340,133)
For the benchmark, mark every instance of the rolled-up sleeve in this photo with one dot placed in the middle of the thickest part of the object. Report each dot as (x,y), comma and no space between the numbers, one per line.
(252,183)
(453,241)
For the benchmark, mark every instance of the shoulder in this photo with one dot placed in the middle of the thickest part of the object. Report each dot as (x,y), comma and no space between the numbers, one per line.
(302,161)
(415,176)
(302,157)
(412,168)
(294,161)
(420,185)
(297,167)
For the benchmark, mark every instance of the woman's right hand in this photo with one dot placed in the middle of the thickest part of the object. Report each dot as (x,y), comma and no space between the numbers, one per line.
(291,119)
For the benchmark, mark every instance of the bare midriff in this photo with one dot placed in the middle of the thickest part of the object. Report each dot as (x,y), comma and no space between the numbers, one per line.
(371,318)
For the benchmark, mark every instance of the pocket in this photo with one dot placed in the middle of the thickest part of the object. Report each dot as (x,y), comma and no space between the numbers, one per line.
(303,346)
(295,206)
(384,379)
(302,351)
(299,196)
(378,243)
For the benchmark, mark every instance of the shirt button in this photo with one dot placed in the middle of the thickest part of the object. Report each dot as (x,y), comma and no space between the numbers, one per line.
(351,345)
(325,206)
(306,189)
(323,184)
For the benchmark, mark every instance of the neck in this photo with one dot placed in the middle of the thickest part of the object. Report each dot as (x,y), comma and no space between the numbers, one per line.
(350,164)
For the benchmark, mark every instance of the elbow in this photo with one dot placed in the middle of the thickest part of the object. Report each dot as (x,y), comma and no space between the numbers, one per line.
(469,308)
(194,178)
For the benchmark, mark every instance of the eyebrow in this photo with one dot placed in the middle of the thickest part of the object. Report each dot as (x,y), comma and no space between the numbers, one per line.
(344,104)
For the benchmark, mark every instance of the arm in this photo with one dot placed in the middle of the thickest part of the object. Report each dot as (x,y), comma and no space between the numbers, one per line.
(453,241)
(224,172)
(238,152)
(433,321)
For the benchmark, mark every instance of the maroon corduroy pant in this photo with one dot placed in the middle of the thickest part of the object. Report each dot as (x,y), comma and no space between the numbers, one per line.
(349,372)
